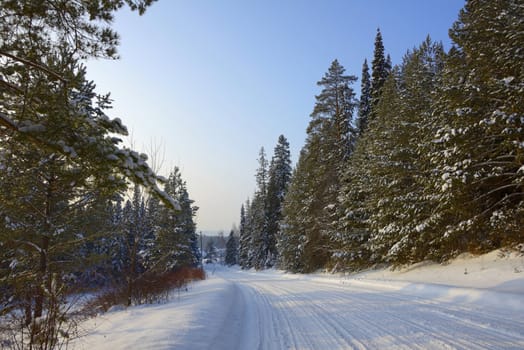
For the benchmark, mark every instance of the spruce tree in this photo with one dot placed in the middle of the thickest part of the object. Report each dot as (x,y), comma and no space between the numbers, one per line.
(384,203)
(134,238)
(279,177)
(411,199)
(258,215)
(244,239)
(350,250)
(231,250)
(116,244)
(364,106)
(389,64)
(297,219)
(176,239)
(379,71)
(480,141)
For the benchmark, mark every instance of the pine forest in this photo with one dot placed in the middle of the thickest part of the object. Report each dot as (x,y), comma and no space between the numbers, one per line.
(428,163)
(403,162)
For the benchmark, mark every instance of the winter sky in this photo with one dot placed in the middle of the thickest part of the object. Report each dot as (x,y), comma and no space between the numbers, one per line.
(208,82)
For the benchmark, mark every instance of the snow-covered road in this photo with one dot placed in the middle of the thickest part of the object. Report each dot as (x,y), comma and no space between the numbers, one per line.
(272,311)
(245,310)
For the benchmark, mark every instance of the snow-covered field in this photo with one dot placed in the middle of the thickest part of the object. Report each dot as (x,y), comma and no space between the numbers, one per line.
(472,303)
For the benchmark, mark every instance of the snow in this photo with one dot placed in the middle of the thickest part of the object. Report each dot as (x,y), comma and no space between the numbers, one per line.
(508,80)
(191,320)
(471,303)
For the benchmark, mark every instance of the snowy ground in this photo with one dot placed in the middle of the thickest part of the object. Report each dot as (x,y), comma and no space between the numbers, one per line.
(472,303)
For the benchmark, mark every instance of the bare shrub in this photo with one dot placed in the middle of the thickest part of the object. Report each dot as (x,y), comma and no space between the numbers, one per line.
(52,330)
(149,288)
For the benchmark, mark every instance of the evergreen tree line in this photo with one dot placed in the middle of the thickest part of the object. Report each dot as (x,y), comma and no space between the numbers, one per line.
(260,232)
(141,237)
(64,172)
(427,164)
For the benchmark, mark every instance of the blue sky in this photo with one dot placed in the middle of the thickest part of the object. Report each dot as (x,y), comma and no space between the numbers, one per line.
(210,82)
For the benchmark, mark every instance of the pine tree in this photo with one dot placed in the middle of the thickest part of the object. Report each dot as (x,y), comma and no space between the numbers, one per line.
(61,184)
(333,113)
(310,205)
(60,152)
(47,102)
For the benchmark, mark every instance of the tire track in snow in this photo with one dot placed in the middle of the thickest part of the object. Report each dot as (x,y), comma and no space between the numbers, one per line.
(283,324)
(460,334)
(301,314)
(470,318)
(338,321)
(332,330)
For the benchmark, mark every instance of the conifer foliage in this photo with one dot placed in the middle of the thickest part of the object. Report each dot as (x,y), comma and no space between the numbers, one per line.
(63,170)
(231,250)
(310,207)
(380,67)
(436,166)
(279,178)
(260,218)
(479,158)
(244,239)
(364,106)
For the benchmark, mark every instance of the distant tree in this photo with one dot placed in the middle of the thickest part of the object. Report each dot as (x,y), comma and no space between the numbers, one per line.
(211,250)
(231,250)
(116,241)
(135,232)
(220,241)
(245,238)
